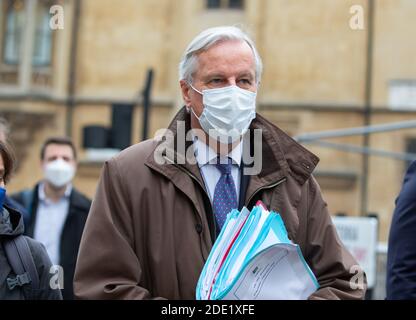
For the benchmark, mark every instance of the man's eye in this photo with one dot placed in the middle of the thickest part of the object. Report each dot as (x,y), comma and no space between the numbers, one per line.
(245,81)
(215,80)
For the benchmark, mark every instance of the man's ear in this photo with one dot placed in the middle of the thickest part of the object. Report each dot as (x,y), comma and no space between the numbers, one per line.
(42,165)
(185,88)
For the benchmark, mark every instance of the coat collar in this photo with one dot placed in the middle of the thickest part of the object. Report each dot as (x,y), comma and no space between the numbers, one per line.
(206,155)
(42,194)
(11,222)
(281,155)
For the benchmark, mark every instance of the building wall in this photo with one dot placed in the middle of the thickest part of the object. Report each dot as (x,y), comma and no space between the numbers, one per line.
(311,54)
(394,51)
(41,120)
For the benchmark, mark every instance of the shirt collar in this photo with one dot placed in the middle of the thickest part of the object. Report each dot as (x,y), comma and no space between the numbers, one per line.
(42,194)
(204,154)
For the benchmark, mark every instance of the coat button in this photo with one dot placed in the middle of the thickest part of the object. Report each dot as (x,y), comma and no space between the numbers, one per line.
(198,228)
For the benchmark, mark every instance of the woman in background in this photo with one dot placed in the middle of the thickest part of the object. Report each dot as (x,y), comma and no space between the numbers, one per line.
(25,267)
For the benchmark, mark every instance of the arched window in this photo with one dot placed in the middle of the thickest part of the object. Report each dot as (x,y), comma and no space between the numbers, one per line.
(225,4)
(13,34)
(13,31)
(42,50)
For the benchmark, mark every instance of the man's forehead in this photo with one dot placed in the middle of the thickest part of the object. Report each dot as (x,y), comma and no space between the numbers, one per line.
(229,48)
(236,56)
(57,149)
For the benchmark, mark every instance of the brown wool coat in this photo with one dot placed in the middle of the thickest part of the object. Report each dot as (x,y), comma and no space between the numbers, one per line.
(150,228)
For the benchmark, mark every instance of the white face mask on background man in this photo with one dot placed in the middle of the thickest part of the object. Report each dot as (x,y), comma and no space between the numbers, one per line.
(59,172)
(228,112)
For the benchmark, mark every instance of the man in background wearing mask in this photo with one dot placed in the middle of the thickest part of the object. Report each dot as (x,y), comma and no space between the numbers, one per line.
(153,224)
(57,211)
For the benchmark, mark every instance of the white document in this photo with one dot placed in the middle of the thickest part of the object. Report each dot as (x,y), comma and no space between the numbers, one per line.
(234,223)
(277,273)
(253,259)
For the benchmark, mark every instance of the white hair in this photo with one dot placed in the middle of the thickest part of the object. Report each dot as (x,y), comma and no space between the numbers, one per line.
(207,39)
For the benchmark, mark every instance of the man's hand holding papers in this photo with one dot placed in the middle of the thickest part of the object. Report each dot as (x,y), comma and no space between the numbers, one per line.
(253,259)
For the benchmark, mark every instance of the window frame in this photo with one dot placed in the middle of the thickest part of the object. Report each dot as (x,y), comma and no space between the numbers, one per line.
(4,13)
(27,75)
(224,5)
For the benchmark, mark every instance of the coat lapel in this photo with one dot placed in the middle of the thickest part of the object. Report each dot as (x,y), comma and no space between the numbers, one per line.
(185,175)
(281,157)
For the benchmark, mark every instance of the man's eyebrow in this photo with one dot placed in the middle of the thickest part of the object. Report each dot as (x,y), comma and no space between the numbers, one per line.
(246,74)
(214,75)
(221,75)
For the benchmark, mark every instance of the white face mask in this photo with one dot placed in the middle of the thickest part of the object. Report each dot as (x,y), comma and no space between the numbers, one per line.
(227,113)
(59,172)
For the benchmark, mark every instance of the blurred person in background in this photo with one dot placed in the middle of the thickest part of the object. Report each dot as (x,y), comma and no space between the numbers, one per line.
(4,137)
(57,211)
(4,129)
(401,254)
(13,285)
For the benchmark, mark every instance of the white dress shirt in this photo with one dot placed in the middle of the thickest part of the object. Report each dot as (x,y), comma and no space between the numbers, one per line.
(50,220)
(207,158)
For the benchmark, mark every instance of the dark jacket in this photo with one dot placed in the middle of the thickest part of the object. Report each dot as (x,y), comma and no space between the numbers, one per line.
(9,202)
(401,257)
(79,206)
(11,225)
(151,226)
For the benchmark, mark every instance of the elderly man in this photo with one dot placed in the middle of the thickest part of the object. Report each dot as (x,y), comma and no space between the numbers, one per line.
(152,224)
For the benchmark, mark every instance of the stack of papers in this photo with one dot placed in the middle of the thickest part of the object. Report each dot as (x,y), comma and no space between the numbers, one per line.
(253,259)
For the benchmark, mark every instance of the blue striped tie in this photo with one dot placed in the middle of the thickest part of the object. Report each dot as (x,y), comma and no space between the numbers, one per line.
(225,195)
